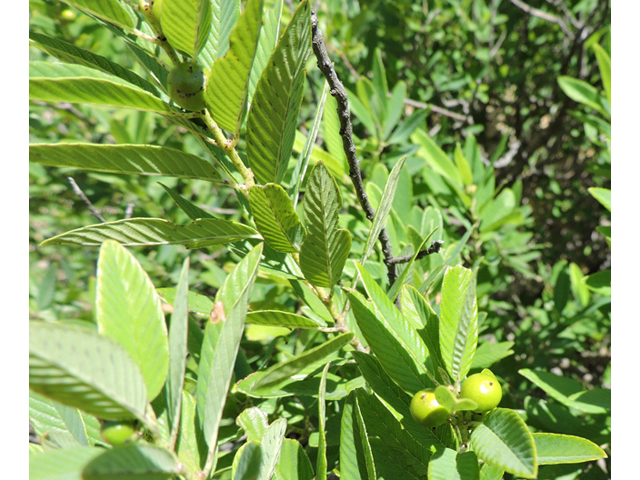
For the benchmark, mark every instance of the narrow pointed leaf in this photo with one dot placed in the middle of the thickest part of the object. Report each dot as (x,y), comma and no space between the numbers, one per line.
(504,441)
(383,209)
(228,82)
(186,24)
(178,337)
(128,310)
(221,342)
(582,92)
(554,448)
(57,82)
(70,53)
(193,211)
(126,159)
(143,461)
(356,459)
(224,16)
(604,65)
(603,195)
(116,12)
(435,157)
(326,247)
(275,218)
(272,120)
(156,231)
(190,446)
(277,318)
(271,445)
(321,462)
(266,43)
(458,321)
(80,368)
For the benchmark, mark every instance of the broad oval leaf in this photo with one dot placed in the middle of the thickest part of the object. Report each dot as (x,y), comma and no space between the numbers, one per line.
(77,366)
(62,463)
(293,464)
(447,464)
(186,24)
(272,120)
(504,441)
(554,448)
(326,247)
(135,460)
(58,82)
(228,81)
(458,321)
(128,310)
(126,159)
(583,93)
(116,12)
(156,231)
(275,218)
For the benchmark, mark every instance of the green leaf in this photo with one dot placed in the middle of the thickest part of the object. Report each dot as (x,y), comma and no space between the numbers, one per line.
(222,336)
(293,464)
(280,374)
(603,195)
(178,338)
(278,318)
(583,93)
(356,458)
(271,445)
(463,165)
(504,441)
(139,461)
(266,44)
(395,108)
(604,65)
(70,53)
(126,159)
(447,464)
(128,311)
(580,290)
(80,368)
(489,353)
(435,157)
(224,16)
(275,218)
(383,209)
(193,211)
(458,321)
(321,462)
(58,82)
(331,131)
(190,446)
(228,81)
(300,169)
(569,392)
(272,120)
(408,126)
(115,12)
(186,24)
(254,422)
(247,462)
(553,449)
(326,247)
(599,282)
(395,356)
(156,231)
(400,281)
(62,463)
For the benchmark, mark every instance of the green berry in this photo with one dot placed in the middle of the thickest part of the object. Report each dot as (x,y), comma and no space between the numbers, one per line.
(426,410)
(118,432)
(484,389)
(186,86)
(68,15)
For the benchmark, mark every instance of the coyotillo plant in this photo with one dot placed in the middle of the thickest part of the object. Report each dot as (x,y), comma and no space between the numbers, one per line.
(319,304)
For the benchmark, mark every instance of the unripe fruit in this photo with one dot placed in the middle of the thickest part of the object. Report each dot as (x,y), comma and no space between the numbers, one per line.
(68,15)
(186,86)
(483,389)
(426,410)
(118,432)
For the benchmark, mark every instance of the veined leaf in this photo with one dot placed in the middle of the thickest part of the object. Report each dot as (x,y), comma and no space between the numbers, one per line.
(272,378)
(156,231)
(326,247)
(78,367)
(189,445)
(321,462)
(275,218)
(504,441)
(193,211)
(331,131)
(70,53)
(254,422)
(458,321)
(271,445)
(228,82)
(62,463)
(554,448)
(133,461)
(383,209)
(224,15)
(266,43)
(277,318)
(116,12)
(186,24)
(247,462)
(128,310)
(356,458)
(58,82)
(293,464)
(272,120)
(126,159)
(221,342)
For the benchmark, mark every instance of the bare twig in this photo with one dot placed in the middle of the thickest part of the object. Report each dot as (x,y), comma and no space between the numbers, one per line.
(436,109)
(84,198)
(129,210)
(433,248)
(545,16)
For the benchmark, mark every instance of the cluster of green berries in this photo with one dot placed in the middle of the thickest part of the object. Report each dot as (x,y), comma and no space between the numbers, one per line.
(482,388)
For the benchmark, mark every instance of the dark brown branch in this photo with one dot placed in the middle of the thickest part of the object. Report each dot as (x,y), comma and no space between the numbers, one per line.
(84,198)
(545,16)
(433,248)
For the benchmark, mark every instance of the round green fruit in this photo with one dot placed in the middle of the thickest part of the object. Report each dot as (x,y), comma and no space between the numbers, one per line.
(118,432)
(186,86)
(426,410)
(68,15)
(483,389)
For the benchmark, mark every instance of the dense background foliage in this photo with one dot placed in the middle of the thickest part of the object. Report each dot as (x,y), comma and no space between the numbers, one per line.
(478,78)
